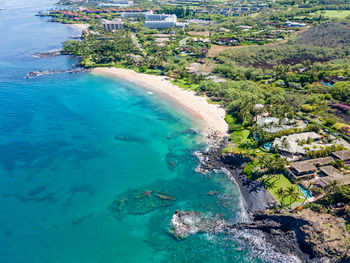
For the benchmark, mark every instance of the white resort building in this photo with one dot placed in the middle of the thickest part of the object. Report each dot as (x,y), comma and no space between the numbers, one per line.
(111,25)
(126,15)
(154,21)
(160,21)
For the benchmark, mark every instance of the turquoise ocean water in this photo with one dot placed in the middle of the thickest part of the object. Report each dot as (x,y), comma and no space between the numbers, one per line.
(72,144)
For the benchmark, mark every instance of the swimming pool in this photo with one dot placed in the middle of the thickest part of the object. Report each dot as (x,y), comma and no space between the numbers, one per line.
(268,146)
(306,192)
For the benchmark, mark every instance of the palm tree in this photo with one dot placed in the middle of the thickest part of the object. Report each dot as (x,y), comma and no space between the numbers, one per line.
(277,164)
(331,189)
(281,194)
(332,186)
(292,193)
(266,161)
(285,144)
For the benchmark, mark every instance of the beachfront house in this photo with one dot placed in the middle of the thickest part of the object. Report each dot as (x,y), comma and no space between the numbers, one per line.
(269,124)
(320,171)
(308,168)
(293,147)
(302,169)
(273,124)
(342,155)
(330,173)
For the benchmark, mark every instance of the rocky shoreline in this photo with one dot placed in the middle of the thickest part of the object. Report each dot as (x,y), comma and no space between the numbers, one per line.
(297,235)
(255,196)
(38,73)
(48,54)
(303,234)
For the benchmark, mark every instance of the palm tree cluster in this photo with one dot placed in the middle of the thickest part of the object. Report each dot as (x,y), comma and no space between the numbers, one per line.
(292,192)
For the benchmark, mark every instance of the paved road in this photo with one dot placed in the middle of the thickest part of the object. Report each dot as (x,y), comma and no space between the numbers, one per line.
(183,41)
(136,42)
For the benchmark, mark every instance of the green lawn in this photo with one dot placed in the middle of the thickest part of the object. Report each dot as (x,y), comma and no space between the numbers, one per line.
(184,84)
(335,13)
(237,137)
(274,182)
(240,136)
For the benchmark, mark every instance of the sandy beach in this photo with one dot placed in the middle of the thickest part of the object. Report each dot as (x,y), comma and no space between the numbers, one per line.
(212,116)
(81,27)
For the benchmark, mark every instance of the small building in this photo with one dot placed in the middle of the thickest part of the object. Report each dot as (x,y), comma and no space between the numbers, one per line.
(330,173)
(321,161)
(110,25)
(259,106)
(269,124)
(342,155)
(303,169)
(319,169)
(216,79)
(294,24)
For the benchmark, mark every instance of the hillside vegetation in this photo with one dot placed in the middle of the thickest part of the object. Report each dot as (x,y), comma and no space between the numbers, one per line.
(330,35)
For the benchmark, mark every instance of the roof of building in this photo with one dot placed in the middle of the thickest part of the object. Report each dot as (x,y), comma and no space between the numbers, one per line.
(269,124)
(321,183)
(259,106)
(322,161)
(304,166)
(293,139)
(332,172)
(343,155)
(114,21)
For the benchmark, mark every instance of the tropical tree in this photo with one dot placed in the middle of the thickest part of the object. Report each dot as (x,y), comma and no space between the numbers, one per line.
(277,165)
(281,194)
(285,145)
(293,194)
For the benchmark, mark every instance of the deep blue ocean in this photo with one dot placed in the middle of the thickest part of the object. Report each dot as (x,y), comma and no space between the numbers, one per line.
(72,145)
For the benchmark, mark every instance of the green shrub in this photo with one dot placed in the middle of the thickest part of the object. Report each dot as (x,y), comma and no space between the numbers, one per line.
(248,170)
(330,122)
(314,207)
(307,108)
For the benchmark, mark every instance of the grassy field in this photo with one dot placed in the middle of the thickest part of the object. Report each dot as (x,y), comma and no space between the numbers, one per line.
(184,84)
(240,136)
(274,182)
(335,13)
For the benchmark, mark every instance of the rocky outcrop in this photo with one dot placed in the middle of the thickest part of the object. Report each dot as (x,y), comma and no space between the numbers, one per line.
(310,236)
(48,54)
(39,73)
(185,223)
(255,196)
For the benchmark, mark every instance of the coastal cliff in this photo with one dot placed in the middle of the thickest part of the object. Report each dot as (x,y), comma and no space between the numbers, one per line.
(309,236)
(255,196)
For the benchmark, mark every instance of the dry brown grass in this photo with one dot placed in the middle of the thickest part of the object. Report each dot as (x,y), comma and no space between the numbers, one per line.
(216,50)
(203,34)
